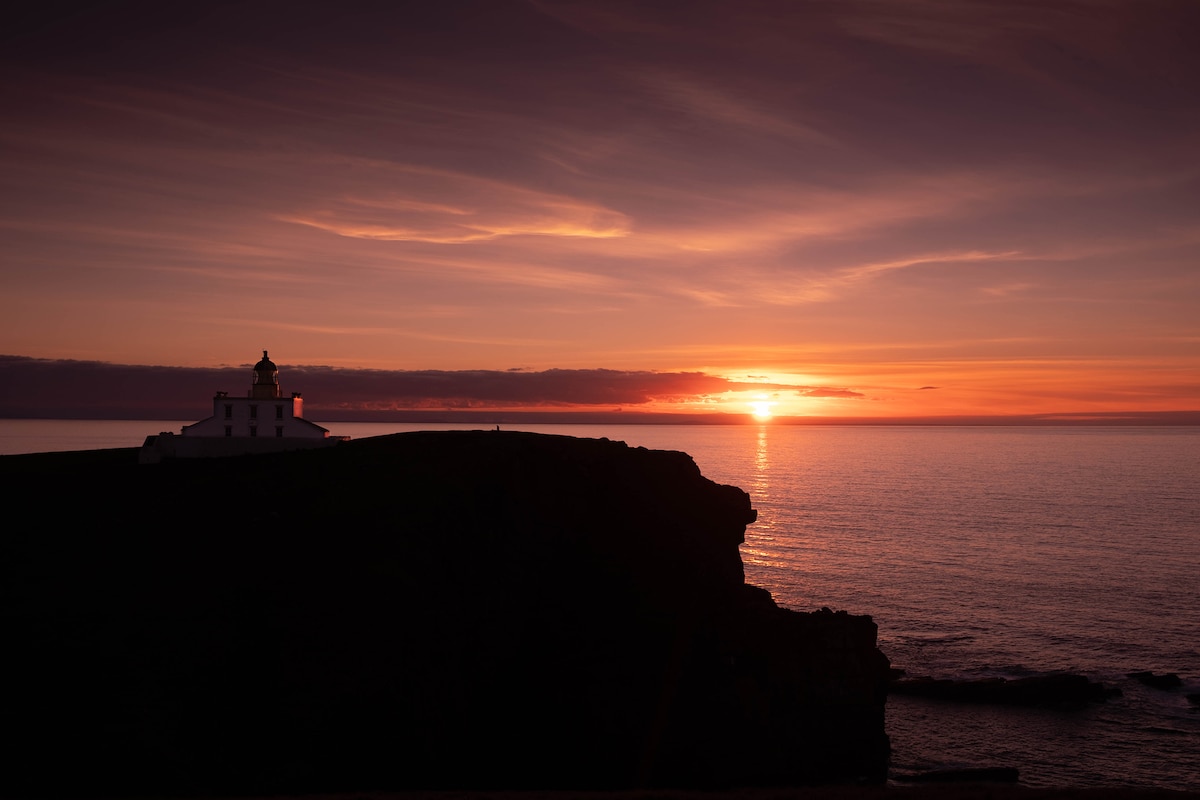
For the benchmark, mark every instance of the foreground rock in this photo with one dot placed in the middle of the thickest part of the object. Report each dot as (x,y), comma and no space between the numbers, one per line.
(446,610)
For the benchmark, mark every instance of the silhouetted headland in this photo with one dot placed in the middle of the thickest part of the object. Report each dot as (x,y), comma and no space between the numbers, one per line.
(480,609)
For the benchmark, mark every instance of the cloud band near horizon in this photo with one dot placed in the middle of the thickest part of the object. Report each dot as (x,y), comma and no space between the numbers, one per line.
(50,387)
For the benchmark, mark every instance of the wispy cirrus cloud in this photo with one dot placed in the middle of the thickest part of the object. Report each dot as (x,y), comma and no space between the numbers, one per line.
(711,105)
(414,204)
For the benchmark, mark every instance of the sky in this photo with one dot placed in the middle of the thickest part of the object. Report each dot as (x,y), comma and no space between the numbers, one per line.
(868,209)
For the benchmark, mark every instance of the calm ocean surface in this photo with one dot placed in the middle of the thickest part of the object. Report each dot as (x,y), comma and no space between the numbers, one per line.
(978,551)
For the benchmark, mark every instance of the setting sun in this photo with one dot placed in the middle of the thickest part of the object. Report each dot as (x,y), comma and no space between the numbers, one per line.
(762,409)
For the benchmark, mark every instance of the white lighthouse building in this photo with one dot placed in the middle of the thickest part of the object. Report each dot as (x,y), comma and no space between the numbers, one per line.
(263,421)
(263,413)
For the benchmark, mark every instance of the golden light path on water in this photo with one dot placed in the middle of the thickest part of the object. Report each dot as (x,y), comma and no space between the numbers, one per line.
(760,549)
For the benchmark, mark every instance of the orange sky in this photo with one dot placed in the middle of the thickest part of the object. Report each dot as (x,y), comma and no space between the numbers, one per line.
(875,209)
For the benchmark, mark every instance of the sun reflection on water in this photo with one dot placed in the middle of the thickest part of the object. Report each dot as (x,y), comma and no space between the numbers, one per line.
(762,465)
(761,548)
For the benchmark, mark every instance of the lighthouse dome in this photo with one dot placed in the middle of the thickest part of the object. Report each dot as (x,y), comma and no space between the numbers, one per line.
(266,379)
(266,365)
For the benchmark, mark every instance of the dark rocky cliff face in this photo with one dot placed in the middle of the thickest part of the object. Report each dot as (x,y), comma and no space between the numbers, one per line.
(435,610)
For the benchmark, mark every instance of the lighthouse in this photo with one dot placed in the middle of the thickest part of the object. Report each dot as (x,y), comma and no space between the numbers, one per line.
(262,421)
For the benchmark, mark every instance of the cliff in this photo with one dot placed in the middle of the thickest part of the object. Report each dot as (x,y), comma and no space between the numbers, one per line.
(432,610)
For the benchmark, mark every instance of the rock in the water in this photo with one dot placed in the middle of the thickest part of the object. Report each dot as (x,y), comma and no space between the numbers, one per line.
(966,775)
(1166,681)
(1039,690)
(491,610)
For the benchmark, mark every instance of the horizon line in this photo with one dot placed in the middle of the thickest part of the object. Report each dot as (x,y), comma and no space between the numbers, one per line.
(1182,418)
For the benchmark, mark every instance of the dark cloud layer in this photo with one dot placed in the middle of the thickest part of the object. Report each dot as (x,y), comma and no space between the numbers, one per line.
(54,388)
(42,388)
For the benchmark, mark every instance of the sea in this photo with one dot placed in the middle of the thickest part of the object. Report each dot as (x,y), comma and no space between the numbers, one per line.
(978,551)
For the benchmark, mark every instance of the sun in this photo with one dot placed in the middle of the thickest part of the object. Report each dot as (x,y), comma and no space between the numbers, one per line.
(762,409)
